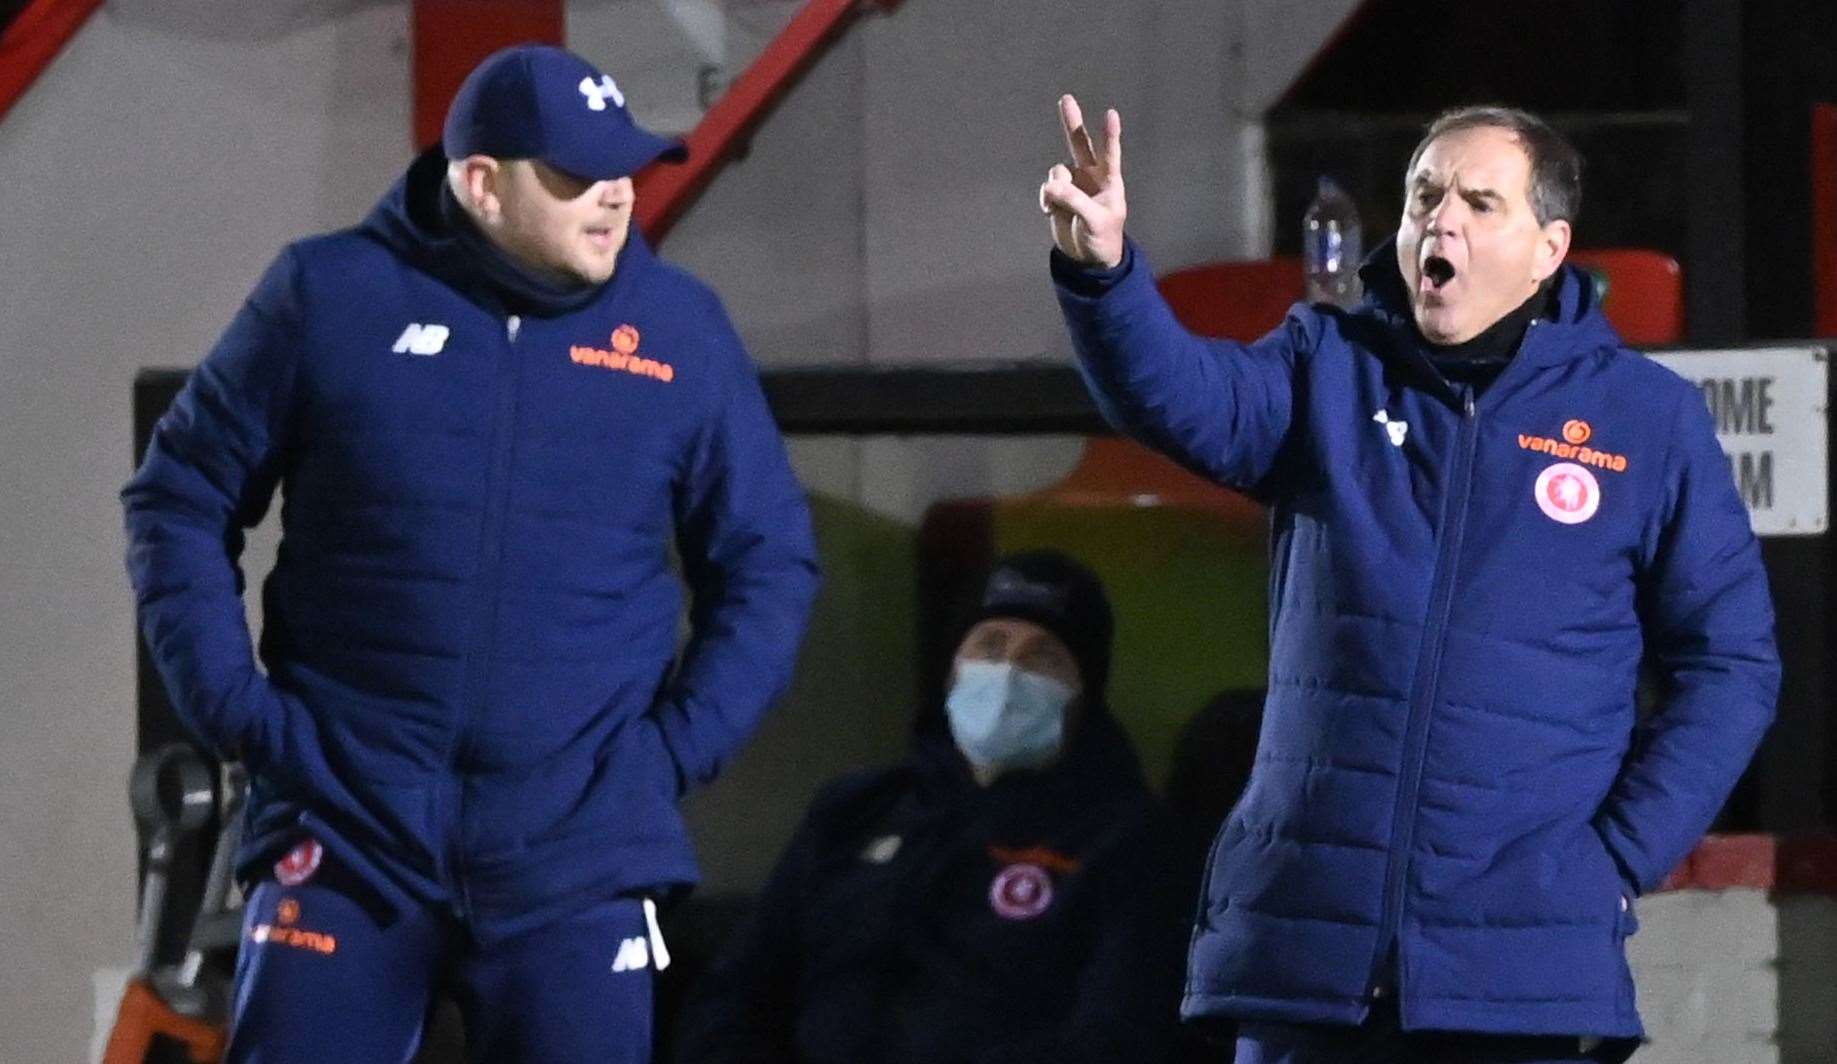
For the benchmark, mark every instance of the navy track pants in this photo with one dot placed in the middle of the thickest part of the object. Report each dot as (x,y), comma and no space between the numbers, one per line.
(326,973)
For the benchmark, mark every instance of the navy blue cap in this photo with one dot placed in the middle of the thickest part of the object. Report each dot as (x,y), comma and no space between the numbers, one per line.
(536,101)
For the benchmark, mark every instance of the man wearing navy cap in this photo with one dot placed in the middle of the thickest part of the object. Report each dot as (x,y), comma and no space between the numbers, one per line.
(493,412)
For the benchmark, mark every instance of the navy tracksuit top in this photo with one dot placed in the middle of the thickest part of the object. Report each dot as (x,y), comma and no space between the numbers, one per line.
(1453,798)
(474,692)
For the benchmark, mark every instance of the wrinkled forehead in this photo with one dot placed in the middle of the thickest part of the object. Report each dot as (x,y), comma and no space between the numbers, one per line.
(1480,157)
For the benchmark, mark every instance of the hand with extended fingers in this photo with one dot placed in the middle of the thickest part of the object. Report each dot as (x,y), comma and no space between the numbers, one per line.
(1085,202)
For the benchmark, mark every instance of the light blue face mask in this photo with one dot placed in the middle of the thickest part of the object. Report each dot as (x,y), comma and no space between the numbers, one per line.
(1006,717)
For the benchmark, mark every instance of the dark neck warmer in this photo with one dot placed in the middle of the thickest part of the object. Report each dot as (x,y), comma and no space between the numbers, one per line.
(523,290)
(1479,361)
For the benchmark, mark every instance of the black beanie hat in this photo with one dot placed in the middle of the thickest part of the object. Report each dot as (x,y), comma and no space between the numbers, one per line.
(1057,593)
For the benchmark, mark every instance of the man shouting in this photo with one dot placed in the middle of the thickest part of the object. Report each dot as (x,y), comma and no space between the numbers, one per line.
(1485,509)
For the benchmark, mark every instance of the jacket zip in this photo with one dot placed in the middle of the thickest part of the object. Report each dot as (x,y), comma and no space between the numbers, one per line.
(1426,691)
(485,598)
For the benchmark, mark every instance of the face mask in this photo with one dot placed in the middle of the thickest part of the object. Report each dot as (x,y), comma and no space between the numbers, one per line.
(1004,716)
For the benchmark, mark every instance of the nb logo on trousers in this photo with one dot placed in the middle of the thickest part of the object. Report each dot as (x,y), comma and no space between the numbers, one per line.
(634,954)
(421,340)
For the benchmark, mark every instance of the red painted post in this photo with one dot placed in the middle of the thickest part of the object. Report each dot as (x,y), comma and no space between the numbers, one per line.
(450,37)
(1824,217)
(33,39)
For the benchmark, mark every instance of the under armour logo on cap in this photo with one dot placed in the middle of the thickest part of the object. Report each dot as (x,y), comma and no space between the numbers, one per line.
(527,102)
(597,95)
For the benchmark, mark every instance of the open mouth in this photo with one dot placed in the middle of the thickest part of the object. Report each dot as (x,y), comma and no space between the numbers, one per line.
(1437,271)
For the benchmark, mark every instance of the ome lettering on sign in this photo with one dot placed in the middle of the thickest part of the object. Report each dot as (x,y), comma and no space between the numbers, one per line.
(1742,406)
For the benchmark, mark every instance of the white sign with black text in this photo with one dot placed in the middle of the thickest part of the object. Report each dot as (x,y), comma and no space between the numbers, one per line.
(1769,405)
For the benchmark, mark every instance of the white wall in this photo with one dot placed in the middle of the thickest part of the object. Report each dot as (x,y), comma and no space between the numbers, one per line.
(885,215)
(150,175)
(1737,977)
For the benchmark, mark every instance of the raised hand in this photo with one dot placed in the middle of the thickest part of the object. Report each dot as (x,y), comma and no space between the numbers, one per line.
(1085,202)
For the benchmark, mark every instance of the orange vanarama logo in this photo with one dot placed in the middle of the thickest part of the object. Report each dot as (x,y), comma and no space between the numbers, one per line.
(1051,860)
(1576,432)
(623,356)
(283,933)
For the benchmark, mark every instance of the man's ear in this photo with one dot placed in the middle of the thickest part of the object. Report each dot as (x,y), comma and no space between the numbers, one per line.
(1552,248)
(481,183)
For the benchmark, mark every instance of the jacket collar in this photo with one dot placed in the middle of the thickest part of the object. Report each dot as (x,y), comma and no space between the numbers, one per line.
(1578,329)
(411,220)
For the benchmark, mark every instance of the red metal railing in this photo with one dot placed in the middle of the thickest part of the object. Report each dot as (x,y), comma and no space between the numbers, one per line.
(451,36)
(33,39)
(666,192)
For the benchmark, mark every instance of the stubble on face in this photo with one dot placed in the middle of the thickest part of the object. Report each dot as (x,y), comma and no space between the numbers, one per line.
(562,226)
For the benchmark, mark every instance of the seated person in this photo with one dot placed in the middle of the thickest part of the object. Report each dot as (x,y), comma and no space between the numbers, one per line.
(1010,892)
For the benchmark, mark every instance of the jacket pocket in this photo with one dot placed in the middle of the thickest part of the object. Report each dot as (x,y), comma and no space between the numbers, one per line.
(630,792)
(1626,921)
(1215,885)
(282,744)
(383,810)
(651,754)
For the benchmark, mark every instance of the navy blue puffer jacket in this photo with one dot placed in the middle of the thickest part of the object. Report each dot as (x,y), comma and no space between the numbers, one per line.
(474,694)
(1453,799)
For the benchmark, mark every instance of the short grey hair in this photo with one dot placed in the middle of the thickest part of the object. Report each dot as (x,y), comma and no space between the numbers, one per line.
(1556,167)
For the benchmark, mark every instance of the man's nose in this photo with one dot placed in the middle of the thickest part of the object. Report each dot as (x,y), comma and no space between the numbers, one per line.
(1447,214)
(616,192)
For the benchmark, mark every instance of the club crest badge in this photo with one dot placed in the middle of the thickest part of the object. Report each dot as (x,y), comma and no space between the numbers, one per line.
(299,864)
(1567,493)
(1020,892)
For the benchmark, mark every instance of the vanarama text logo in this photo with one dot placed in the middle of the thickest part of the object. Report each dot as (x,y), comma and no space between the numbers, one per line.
(311,941)
(623,356)
(1575,433)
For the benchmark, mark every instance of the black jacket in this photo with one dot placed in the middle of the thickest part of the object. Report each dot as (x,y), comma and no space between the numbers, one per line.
(1040,919)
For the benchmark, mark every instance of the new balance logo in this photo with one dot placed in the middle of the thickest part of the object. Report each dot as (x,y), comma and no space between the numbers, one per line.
(597,95)
(421,340)
(634,954)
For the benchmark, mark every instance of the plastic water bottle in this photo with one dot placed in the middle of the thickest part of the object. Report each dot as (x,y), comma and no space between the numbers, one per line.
(1331,246)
